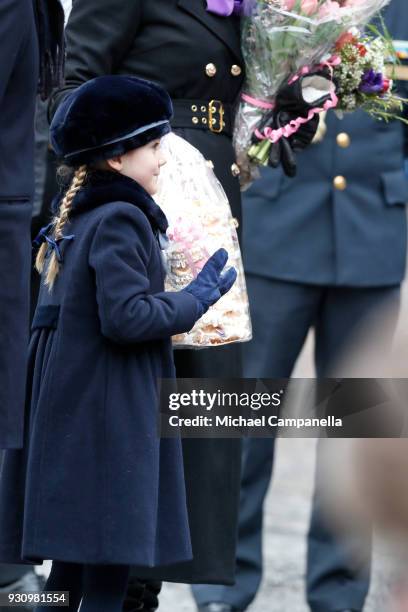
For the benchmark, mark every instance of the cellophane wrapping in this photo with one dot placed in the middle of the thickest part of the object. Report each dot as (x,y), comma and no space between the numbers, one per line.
(200,222)
(279,38)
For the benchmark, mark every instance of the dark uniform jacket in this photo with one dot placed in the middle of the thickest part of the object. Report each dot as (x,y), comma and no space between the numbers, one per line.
(195,55)
(342,220)
(18,87)
(94,482)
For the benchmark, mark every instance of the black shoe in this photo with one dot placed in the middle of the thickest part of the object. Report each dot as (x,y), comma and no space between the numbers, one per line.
(29,582)
(217,607)
(141,596)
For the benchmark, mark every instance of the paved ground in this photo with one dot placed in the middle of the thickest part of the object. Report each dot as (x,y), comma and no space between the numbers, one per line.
(287,516)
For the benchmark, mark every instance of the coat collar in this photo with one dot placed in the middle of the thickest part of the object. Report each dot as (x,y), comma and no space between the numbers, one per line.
(103,187)
(227,29)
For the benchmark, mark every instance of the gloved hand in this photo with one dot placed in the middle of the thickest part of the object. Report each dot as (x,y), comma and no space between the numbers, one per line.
(211,283)
(283,152)
(292,101)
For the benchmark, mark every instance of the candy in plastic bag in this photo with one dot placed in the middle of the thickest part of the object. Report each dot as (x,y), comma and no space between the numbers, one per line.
(200,222)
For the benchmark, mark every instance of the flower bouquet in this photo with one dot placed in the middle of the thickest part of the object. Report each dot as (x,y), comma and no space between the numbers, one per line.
(361,75)
(283,39)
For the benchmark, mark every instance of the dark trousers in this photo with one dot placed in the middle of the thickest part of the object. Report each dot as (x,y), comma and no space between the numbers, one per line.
(282,314)
(11,573)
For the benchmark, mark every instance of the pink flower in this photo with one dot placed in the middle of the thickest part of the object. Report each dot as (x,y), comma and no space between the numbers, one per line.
(330,9)
(387,85)
(288,5)
(309,7)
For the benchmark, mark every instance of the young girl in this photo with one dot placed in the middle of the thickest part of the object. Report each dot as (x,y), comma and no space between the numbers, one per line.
(95,489)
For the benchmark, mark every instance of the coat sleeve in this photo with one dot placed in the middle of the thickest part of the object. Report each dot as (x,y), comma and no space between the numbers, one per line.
(128,311)
(99,35)
(14,23)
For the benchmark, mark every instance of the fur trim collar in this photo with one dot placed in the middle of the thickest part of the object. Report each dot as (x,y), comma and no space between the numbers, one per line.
(103,187)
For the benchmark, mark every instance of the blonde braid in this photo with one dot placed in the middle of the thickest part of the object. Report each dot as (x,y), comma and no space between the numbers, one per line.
(59,222)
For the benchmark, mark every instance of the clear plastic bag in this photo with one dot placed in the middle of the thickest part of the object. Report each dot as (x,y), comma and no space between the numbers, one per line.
(200,222)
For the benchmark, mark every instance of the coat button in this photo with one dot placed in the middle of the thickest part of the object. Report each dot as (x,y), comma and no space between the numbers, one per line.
(343,140)
(211,70)
(235,169)
(210,163)
(235,222)
(340,183)
(236,70)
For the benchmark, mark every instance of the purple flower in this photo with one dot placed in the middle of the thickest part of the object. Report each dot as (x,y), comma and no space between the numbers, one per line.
(372,82)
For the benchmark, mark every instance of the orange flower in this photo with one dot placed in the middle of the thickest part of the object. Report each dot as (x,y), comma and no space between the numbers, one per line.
(345,39)
(362,49)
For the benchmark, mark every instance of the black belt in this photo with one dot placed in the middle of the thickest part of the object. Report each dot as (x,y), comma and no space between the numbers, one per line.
(211,115)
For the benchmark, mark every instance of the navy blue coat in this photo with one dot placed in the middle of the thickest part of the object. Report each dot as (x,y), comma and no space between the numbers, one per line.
(305,230)
(18,87)
(172,42)
(94,483)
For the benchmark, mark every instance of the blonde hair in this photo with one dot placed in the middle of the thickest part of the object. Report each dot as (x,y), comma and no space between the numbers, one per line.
(59,222)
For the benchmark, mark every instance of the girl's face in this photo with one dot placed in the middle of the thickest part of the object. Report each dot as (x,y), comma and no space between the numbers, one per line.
(142,165)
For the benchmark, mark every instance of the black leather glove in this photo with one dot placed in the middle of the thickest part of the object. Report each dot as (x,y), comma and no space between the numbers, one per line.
(292,101)
(211,283)
(283,152)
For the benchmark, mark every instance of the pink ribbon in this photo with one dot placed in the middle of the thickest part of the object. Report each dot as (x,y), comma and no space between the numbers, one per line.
(334,60)
(292,127)
(303,71)
(258,103)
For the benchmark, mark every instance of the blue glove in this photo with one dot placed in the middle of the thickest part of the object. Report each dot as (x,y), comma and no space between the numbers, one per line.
(211,283)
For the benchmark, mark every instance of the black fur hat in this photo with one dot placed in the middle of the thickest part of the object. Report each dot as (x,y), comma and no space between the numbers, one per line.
(108,116)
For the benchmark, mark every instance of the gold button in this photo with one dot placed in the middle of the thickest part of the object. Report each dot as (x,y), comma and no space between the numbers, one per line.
(209,163)
(236,70)
(194,108)
(203,109)
(194,120)
(211,70)
(235,222)
(204,120)
(340,183)
(235,169)
(343,140)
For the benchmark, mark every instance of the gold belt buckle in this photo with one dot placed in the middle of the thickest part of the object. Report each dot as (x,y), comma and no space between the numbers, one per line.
(212,109)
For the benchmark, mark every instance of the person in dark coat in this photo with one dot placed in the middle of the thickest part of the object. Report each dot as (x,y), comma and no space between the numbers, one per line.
(94,488)
(31,49)
(18,88)
(322,251)
(196,56)
(31,61)
(193,49)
